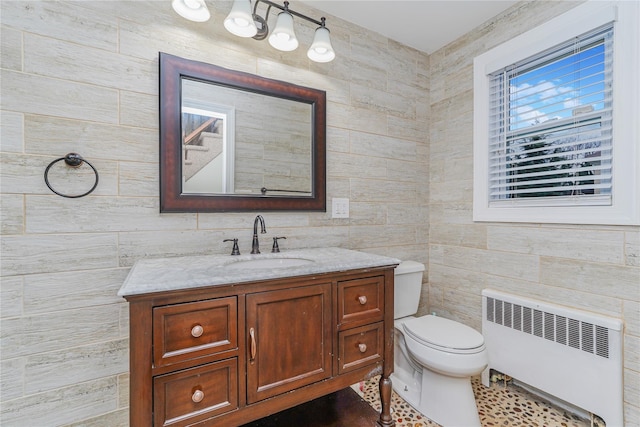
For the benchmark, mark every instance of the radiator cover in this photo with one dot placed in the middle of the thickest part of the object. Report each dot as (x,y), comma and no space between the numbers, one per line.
(568,353)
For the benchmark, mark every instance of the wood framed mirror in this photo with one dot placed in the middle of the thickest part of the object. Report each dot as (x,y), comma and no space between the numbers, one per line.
(234,141)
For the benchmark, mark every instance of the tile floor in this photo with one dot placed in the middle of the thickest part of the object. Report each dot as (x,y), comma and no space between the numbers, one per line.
(497,406)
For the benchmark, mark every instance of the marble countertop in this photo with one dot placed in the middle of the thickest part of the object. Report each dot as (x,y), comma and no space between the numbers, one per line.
(167,274)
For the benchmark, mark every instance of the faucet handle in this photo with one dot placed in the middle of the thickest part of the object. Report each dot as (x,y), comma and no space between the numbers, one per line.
(235,250)
(275,247)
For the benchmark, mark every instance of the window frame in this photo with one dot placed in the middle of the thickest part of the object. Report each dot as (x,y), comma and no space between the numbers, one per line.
(625,206)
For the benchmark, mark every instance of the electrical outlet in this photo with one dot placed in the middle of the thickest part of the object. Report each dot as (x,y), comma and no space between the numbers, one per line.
(339,208)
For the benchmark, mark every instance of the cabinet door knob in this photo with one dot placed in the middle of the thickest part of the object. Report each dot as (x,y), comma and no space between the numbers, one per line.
(197,396)
(362,299)
(362,347)
(197,331)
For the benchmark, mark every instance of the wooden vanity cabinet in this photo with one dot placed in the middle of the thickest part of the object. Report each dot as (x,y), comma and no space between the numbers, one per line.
(226,355)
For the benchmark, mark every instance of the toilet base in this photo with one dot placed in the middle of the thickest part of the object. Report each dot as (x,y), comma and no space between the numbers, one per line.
(449,401)
(408,389)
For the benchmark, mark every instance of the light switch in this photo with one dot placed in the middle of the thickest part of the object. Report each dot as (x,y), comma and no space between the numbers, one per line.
(339,208)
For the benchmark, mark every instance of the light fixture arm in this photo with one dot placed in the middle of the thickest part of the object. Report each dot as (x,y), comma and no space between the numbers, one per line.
(243,23)
(255,10)
(285,8)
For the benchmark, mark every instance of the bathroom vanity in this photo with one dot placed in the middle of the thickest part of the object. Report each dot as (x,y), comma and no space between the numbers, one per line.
(225,340)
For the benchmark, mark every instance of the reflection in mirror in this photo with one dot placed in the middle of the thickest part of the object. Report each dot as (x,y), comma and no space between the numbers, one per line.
(207,150)
(268,155)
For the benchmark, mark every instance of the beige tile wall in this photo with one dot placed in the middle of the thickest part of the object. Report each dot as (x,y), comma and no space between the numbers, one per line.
(83,77)
(589,267)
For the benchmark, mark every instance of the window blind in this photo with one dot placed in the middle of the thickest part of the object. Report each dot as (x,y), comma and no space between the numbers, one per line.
(550,126)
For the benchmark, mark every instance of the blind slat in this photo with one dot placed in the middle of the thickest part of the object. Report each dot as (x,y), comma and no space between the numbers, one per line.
(576,182)
(548,159)
(571,200)
(562,189)
(560,142)
(494,178)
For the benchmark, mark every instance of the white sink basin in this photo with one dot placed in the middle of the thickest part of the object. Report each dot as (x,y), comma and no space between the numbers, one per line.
(268,263)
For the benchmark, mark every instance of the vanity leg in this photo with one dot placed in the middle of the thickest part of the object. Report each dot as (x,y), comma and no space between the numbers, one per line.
(385,399)
(387,365)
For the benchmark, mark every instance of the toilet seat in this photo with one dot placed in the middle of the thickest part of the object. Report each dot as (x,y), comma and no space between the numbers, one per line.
(444,334)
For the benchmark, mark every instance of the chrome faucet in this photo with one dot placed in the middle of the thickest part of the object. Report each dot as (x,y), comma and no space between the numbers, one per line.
(255,246)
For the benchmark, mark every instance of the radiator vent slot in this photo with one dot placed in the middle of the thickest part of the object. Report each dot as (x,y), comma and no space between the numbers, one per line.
(549,327)
(508,314)
(602,341)
(537,323)
(517,317)
(526,320)
(574,333)
(561,330)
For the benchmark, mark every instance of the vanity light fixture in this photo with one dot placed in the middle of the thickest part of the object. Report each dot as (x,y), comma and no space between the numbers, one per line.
(321,49)
(242,22)
(283,37)
(193,10)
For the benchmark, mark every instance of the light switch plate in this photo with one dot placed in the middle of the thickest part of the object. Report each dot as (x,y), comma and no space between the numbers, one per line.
(339,208)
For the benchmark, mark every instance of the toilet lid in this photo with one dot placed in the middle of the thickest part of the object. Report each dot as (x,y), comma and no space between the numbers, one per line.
(445,333)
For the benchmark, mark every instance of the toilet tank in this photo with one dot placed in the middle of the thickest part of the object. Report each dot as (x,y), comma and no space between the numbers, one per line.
(407,288)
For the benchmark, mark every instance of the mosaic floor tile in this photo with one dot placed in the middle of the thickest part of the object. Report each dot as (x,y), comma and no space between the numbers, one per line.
(498,406)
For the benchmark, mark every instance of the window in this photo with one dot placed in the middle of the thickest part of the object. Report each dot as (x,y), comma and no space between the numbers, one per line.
(550,144)
(550,125)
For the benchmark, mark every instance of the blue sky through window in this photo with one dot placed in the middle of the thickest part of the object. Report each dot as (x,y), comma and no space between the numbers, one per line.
(572,84)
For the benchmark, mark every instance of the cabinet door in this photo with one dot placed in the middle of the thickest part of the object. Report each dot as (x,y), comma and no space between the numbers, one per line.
(289,339)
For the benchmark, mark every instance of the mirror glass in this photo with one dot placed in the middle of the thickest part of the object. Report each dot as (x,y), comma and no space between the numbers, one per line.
(233,141)
(269,155)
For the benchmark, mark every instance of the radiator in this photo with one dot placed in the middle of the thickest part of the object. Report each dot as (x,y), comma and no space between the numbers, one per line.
(571,354)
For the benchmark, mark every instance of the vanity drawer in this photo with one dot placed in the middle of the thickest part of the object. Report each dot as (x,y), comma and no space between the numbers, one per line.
(360,346)
(360,301)
(187,331)
(195,394)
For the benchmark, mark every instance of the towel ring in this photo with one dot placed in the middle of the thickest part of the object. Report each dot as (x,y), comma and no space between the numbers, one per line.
(73,160)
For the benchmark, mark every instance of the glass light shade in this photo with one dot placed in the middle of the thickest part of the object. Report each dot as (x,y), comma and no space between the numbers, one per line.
(321,49)
(283,37)
(193,10)
(240,19)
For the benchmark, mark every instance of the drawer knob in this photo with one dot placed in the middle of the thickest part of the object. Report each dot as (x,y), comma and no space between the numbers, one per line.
(197,396)
(362,299)
(197,331)
(362,347)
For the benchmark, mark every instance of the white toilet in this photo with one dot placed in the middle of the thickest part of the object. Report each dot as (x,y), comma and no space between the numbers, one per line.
(434,357)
